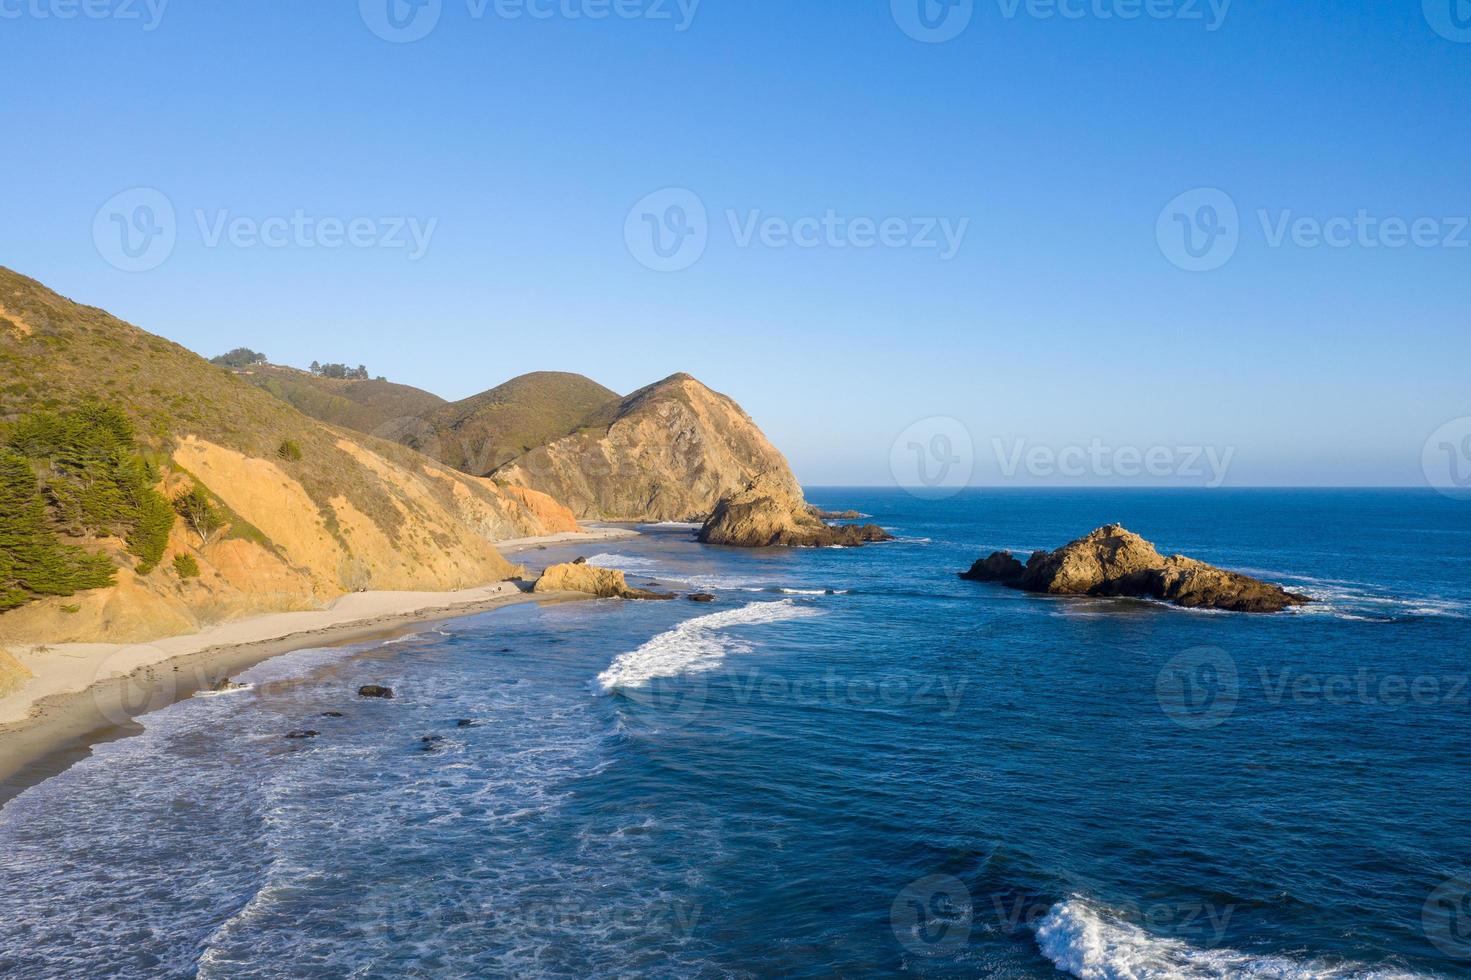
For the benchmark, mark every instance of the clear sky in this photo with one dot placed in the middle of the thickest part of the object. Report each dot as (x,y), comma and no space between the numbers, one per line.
(1053,141)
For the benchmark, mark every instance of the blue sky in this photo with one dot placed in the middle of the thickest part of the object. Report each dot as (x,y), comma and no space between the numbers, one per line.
(1051,146)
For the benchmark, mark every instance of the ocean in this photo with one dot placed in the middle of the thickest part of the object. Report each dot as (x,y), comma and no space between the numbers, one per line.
(852,764)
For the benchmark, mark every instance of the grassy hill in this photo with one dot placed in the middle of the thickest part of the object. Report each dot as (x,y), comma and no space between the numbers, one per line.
(481,432)
(378,407)
(305,511)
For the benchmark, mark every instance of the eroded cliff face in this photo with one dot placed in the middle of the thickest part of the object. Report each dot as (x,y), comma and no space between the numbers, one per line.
(670,452)
(280,550)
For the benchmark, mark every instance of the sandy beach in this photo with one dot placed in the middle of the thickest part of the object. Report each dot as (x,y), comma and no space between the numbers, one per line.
(86,692)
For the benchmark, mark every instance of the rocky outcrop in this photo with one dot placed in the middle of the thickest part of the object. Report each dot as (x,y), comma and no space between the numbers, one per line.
(578,576)
(668,452)
(376,691)
(1112,561)
(771,512)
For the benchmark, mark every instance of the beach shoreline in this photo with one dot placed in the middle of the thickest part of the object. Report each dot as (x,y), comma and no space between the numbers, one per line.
(83,694)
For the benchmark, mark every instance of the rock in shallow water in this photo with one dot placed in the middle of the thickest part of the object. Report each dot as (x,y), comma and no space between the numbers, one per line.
(375,691)
(1114,562)
(605,583)
(303,733)
(771,512)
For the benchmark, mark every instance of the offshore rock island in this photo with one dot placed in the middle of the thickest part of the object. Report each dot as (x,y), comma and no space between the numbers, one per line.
(1112,561)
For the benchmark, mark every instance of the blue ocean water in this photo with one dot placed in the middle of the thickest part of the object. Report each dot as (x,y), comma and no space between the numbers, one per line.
(852,764)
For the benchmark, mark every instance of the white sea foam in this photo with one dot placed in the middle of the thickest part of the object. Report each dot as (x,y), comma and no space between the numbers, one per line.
(620,562)
(1094,945)
(694,645)
(786,591)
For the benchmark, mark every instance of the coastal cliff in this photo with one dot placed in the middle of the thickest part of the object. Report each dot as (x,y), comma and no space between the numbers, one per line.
(275,511)
(668,452)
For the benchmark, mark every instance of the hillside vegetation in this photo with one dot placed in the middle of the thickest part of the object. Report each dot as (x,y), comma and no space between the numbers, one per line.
(376,407)
(108,421)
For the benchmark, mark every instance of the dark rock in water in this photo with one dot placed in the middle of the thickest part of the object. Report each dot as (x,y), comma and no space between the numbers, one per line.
(1000,567)
(770,512)
(579,561)
(303,733)
(701,597)
(225,684)
(840,515)
(505,650)
(1114,562)
(466,723)
(331,714)
(375,691)
(430,742)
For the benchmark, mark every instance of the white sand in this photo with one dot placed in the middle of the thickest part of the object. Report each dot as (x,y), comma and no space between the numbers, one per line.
(82,689)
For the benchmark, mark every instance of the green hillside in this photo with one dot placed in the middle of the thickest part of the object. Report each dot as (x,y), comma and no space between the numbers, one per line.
(379,407)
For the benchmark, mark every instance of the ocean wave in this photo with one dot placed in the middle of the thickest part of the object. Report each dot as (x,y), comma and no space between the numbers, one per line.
(1093,945)
(621,562)
(694,645)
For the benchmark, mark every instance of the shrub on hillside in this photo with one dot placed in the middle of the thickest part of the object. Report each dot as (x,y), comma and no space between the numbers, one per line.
(198,510)
(186,566)
(33,562)
(289,450)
